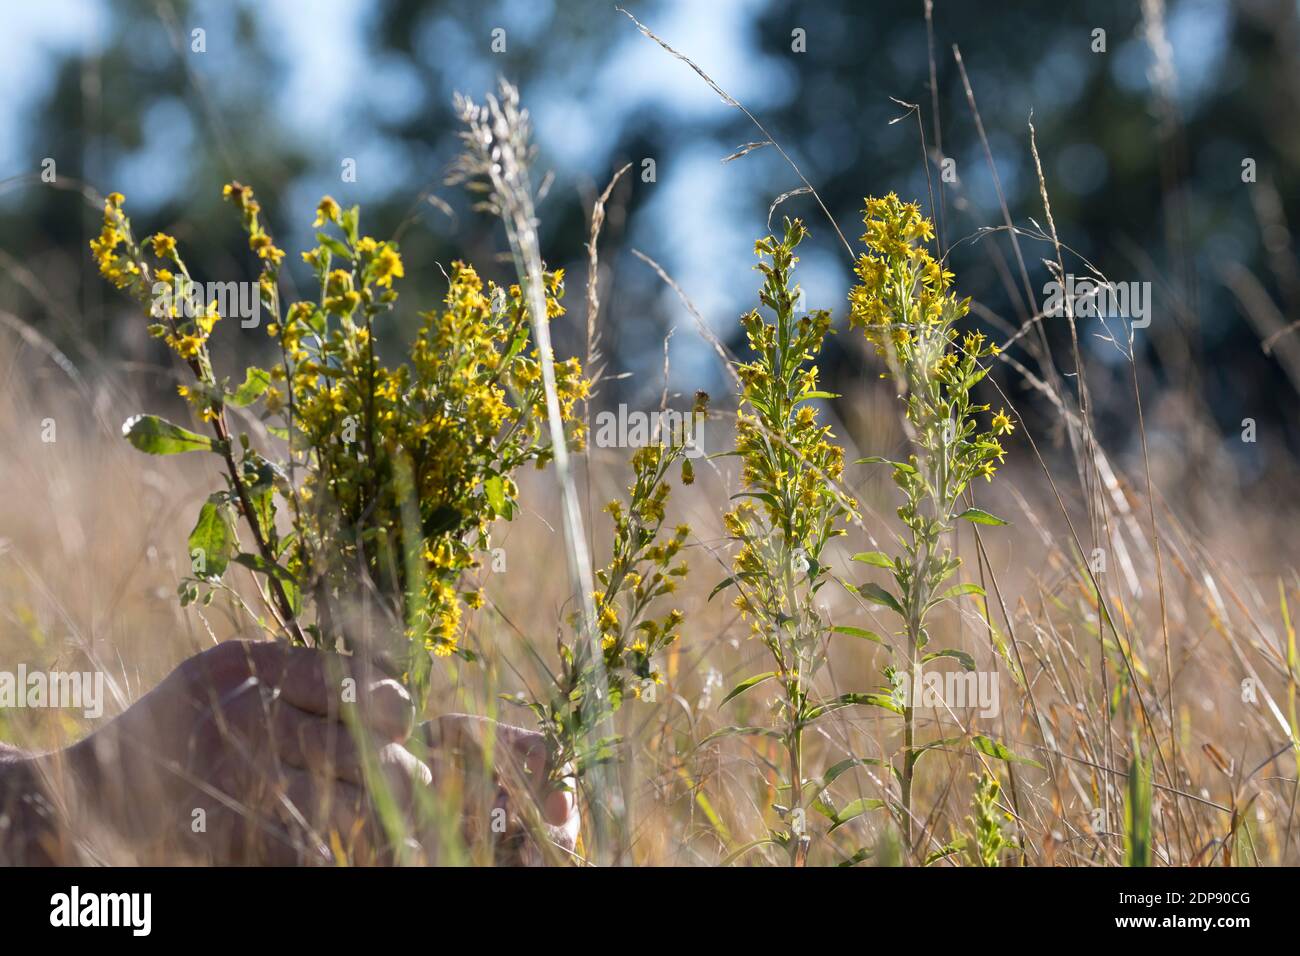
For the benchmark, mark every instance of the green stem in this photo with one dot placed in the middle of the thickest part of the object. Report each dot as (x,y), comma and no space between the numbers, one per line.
(798,840)
(909,739)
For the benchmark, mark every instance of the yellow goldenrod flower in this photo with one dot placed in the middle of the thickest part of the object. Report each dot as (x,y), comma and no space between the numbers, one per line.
(327,211)
(164,246)
(388,266)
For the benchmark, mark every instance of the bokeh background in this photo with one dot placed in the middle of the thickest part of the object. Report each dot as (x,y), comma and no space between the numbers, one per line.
(1142,148)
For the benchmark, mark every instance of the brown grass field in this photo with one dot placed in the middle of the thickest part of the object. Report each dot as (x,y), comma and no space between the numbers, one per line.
(94,541)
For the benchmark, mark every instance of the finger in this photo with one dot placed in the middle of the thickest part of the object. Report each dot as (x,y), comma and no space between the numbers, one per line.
(320,685)
(236,821)
(333,813)
(454,732)
(560,808)
(525,753)
(315,681)
(528,746)
(259,729)
(267,842)
(222,671)
(558,802)
(310,680)
(404,774)
(350,809)
(387,709)
(398,784)
(470,735)
(327,748)
(518,752)
(331,750)
(230,662)
(296,817)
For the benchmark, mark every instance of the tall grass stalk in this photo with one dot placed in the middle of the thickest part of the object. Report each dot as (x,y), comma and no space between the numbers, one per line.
(498,150)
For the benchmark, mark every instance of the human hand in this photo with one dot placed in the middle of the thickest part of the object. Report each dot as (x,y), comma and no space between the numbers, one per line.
(254,753)
(520,788)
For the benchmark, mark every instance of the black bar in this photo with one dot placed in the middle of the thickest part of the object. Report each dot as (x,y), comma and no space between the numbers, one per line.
(383,907)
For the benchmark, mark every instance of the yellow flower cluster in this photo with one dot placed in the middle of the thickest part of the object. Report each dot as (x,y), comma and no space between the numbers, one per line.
(644,566)
(904,305)
(445,430)
(903,291)
(121,261)
(790,461)
(398,470)
(121,268)
(258,238)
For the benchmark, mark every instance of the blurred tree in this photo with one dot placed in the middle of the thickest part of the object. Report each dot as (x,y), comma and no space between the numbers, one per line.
(1142,147)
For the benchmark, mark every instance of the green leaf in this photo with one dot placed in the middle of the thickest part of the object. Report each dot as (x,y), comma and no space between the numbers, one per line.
(746,684)
(741,851)
(213,538)
(876,459)
(351,219)
(155,435)
(255,562)
(956,846)
(844,766)
(516,345)
(876,559)
(959,590)
(961,657)
(972,379)
(333,245)
(861,632)
(263,499)
(317,322)
(939,744)
(992,748)
(807,396)
(980,516)
(721,585)
(815,785)
(603,751)
(294,596)
(1137,812)
(855,809)
(877,594)
(766,497)
(848,700)
(256,381)
(740,732)
(495,489)
(861,855)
